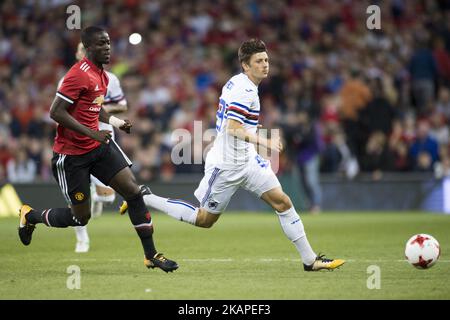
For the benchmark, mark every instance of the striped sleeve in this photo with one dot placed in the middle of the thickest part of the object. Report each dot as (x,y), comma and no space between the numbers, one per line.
(234,116)
(73,84)
(240,101)
(242,113)
(242,110)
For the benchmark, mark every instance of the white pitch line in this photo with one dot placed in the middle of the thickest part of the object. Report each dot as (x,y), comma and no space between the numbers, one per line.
(209,260)
(247,260)
(386,260)
(203,260)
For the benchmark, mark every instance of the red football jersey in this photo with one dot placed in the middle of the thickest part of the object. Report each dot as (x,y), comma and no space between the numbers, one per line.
(84,86)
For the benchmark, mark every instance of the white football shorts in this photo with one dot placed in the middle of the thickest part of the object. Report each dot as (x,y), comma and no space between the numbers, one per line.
(218,185)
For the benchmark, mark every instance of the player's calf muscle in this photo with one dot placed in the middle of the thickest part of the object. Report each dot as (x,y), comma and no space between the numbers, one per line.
(205,219)
(204,223)
(280,202)
(284,203)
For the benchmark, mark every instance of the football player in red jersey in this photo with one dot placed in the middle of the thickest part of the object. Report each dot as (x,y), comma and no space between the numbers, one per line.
(80,149)
(115,103)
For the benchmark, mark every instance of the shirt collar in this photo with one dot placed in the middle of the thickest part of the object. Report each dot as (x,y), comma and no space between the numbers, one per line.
(250,81)
(92,65)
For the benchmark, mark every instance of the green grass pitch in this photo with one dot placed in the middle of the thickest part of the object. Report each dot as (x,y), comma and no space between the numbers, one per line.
(244,256)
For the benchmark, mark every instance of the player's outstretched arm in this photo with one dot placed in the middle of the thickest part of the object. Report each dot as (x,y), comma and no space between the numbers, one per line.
(236,129)
(59,113)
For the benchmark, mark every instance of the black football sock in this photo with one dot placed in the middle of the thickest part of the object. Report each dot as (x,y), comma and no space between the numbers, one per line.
(142,222)
(54,217)
(34,217)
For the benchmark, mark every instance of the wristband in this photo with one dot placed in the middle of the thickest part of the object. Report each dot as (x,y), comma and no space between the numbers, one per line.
(116,122)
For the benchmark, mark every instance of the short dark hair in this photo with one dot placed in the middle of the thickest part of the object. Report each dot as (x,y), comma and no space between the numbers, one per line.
(249,48)
(88,33)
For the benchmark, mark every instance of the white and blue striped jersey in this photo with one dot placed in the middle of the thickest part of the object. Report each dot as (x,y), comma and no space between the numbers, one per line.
(114,93)
(239,101)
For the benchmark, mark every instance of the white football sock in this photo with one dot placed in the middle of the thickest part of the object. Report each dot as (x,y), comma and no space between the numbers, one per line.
(96,209)
(179,209)
(293,229)
(82,234)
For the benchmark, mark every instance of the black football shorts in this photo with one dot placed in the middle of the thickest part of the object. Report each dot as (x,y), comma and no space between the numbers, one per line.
(73,172)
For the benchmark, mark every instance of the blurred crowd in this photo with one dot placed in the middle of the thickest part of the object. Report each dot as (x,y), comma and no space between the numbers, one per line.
(348,99)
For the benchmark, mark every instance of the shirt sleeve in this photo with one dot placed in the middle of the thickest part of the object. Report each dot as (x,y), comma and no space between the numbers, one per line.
(239,108)
(60,83)
(73,84)
(114,94)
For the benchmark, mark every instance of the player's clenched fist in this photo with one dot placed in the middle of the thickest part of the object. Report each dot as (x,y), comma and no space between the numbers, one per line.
(276,144)
(126,126)
(103,136)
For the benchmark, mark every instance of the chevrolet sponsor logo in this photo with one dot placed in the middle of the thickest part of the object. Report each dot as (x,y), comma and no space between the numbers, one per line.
(99,100)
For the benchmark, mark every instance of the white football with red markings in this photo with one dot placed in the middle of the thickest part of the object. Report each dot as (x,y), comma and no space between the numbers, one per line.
(422,251)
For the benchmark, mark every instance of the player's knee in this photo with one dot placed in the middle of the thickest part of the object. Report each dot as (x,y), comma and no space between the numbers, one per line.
(134,190)
(84,220)
(132,194)
(282,203)
(106,195)
(105,192)
(81,213)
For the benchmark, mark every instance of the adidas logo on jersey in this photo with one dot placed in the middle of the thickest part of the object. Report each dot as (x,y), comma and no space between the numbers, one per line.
(96,87)
(84,66)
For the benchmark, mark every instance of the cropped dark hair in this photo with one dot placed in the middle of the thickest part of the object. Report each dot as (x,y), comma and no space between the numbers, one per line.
(88,33)
(249,48)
